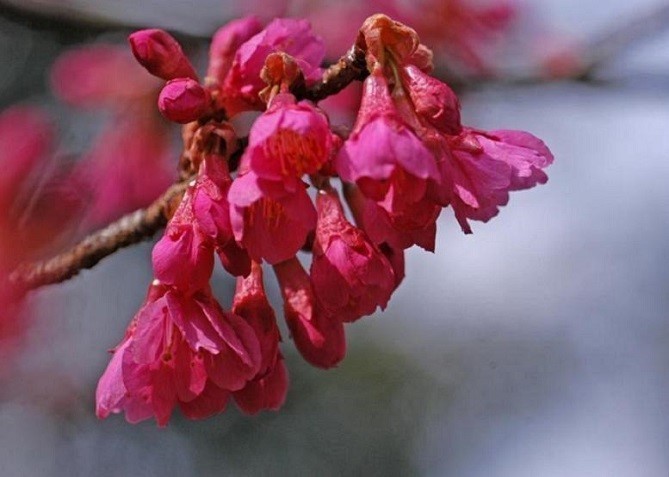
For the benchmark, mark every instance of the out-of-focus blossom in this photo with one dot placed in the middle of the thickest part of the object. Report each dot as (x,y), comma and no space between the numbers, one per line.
(37,209)
(112,173)
(100,75)
(463,32)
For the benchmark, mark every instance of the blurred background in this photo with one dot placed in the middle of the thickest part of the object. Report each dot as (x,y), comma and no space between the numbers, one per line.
(538,346)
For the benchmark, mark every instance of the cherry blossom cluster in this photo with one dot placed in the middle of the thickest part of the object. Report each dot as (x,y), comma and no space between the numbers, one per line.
(406,158)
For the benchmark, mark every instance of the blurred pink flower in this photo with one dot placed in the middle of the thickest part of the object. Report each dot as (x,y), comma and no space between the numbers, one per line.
(225,43)
(37,212)
(112,173)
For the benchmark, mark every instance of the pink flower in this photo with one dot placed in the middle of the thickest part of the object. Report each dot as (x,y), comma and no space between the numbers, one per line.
(291,36)
(251,303)
(112,172)
(268,389)
(270,219)
(350,276)
(25,138)
(419,229)
(39,201)
(184,257)
(225,43)
(266,393)
(484,166)
(178,350)
(211,212)
(388,162)
(288,140)
(162,56)
(318,337)
(183,100)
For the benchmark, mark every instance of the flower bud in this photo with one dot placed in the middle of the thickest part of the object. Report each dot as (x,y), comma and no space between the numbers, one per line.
(183,100)
(160,53)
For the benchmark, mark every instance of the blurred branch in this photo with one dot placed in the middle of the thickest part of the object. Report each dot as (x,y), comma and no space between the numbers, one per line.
(128,230)
(614,41)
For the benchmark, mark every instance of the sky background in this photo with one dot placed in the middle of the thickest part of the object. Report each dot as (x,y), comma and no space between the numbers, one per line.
(538,346)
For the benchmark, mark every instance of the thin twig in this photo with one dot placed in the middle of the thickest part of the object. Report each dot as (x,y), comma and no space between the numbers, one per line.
(128,230)
(350,67)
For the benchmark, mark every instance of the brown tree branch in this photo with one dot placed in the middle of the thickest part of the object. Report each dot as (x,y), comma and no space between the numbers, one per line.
(350,67)
(128,230)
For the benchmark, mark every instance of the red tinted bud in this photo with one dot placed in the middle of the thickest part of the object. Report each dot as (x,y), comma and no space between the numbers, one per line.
(162,56)
(183,100)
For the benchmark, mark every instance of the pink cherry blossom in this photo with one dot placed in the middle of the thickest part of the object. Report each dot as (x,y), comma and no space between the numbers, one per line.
(433,101)
(266,393)
(183,257)
(292,36)
(250,302)
(268,389)
(289,140)
(225,43)
(350,276)
(318,336)
(178,350)
(388,162)
(211,212)
(270,219)
(483,167)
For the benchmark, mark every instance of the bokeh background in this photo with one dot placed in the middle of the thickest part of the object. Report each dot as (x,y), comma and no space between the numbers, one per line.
(538,346)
